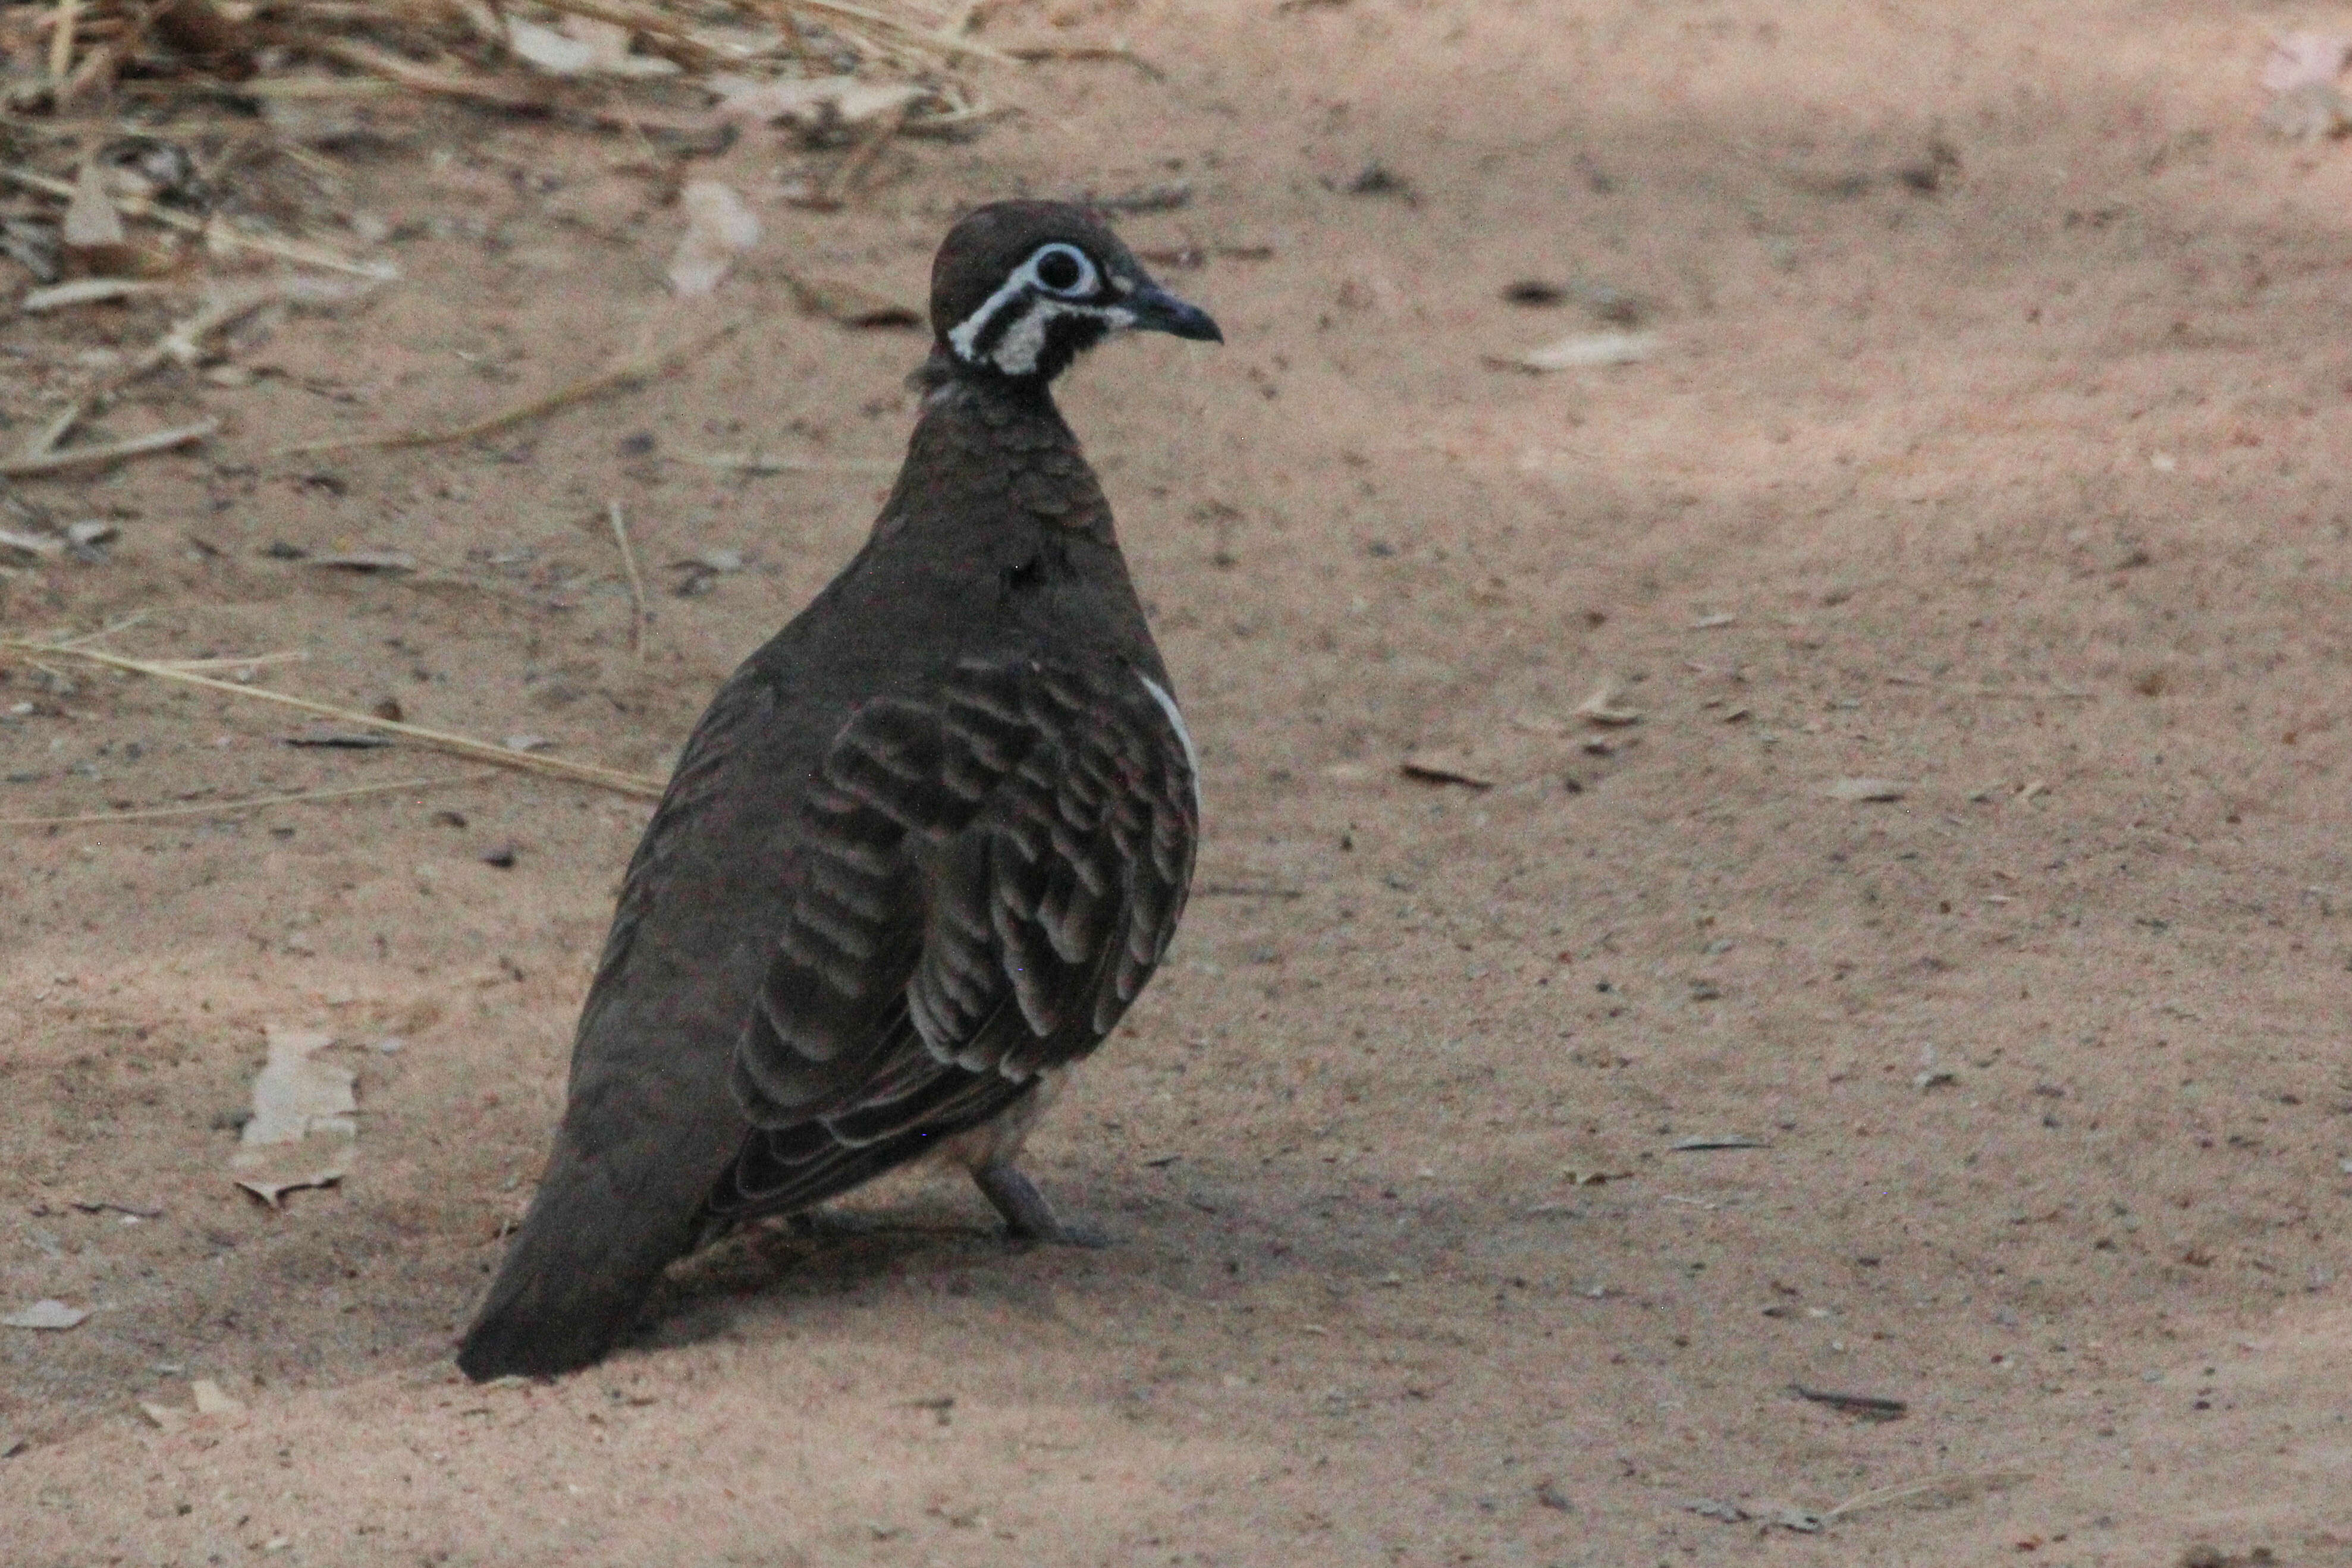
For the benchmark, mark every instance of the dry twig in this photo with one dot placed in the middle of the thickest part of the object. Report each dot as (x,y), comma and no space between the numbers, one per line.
(1036,53)
(214,234)
(763,463)
(248,802)
(27,465)
(636,579)
(1960,1487)
(611,778)
(636,367)
(842,183)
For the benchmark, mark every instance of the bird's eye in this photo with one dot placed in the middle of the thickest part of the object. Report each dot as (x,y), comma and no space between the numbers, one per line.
(1062,269)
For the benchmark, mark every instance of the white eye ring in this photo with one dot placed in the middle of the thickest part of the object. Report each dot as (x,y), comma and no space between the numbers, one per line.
(1084,284)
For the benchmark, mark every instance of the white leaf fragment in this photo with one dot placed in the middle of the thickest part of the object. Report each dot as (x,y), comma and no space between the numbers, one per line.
(91,225)
(302,1132)
(213,1400)
(719,228)
(817,104)
(1589,351)
(44,1314)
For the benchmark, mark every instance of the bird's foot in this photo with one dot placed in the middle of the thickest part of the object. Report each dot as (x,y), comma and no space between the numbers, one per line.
(1027,1216)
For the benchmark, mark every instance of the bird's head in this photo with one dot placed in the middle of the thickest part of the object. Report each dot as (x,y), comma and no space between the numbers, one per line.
(1022,288)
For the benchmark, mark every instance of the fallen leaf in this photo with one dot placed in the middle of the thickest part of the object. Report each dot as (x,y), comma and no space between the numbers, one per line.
(1855,790)
(813,105)
(92,230)
(1601,708)
(302,1132)
(213,1400)
(1587,351)
(584,46)
(44,1314)
(555,52)
(719,228)
(1447,767)
(1726,1141)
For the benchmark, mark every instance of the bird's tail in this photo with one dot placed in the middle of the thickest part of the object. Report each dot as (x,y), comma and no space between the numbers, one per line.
(603,1225)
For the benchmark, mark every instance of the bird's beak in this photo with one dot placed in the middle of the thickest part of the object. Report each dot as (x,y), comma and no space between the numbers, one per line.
(1156,310)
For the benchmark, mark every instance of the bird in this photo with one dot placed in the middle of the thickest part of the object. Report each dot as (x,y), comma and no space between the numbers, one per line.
(920,853)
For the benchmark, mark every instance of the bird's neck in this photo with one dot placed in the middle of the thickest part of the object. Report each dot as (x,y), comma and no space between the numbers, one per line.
(991,453)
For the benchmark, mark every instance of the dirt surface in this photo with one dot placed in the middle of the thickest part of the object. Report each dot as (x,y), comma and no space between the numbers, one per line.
(1990,447)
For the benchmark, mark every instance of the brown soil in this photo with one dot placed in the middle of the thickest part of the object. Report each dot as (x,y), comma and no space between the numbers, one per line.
(2022,490)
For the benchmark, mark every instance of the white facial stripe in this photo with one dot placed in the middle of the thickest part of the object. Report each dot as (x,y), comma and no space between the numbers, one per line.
(1017,351)
(1168,706)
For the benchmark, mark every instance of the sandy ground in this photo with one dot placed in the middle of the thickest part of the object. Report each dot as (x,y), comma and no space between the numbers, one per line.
(2022,492)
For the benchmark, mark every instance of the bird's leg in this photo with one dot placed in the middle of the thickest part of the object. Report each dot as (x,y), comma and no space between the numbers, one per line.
(1027,1216)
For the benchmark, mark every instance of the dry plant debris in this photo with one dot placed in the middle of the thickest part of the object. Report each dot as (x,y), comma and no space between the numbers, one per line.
(444,740)
(1601,707)
(125,118)
(719,228)
(620,522)
(50,1314)
(302,1132)
(627,370)
(2301,76)
(1931,1491)
(1869,1406)
(245,803)
(1584,350)
(215,1406)
(1448,766)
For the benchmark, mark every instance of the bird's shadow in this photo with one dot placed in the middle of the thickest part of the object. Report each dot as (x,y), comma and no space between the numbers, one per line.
(823,1255)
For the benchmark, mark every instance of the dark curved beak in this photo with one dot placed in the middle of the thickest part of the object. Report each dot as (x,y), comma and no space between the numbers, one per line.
(1156,310)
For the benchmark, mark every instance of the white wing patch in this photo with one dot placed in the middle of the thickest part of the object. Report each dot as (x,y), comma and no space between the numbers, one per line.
(1175,717)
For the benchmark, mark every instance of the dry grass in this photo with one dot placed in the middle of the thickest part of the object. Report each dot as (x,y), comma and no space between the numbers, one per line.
(247,803)
(637,784)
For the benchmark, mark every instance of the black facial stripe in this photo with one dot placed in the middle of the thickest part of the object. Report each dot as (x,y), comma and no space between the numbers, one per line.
(993,330)
(1068,336)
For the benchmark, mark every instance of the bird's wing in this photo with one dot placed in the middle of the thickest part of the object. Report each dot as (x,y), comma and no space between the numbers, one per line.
(987,879)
